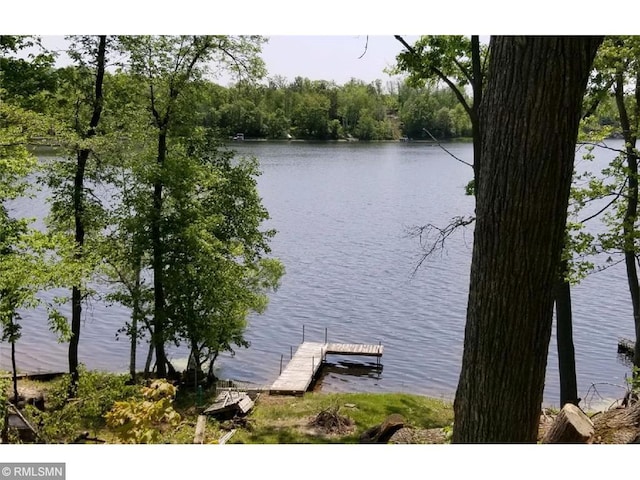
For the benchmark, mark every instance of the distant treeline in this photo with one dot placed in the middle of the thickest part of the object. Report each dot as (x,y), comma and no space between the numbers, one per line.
(278,108)
(322,110)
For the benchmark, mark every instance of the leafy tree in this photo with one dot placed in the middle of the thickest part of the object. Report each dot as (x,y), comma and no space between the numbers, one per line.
(310,118)
(613,104)
(622,54)
(27,265)
(216,270)
(168,65)
(81,112)
(528,140)
(456,61)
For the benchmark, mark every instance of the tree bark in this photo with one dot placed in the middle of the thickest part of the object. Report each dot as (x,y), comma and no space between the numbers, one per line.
(78,213)
(564,334)
(529,122)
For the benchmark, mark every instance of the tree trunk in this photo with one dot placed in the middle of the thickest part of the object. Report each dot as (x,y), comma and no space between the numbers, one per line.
(564,334)
(477,85)
(78,213)
(631,212)
(14,372)
(529,122)
(147,364)
(158,262)
(135,315)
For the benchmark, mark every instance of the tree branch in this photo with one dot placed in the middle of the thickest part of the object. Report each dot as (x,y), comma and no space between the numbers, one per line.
(616,197)
(441,76)
(442,147)
(431,245)
(366,47)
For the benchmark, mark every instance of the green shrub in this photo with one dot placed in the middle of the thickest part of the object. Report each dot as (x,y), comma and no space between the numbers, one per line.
(64,419)
(142,420)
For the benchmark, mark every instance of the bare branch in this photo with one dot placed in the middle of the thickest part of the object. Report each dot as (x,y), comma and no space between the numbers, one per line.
(429,244)
(602,268)
(366,46)
(442,147)
(603,145)
(616,195)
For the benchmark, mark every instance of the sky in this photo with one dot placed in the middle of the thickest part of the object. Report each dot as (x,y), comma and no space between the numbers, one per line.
(318,40)
(332,57)
(317,57)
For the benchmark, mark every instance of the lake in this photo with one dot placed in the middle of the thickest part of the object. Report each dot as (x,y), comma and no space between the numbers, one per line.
(343,212)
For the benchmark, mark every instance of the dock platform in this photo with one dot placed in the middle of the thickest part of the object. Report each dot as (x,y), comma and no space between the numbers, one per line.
(304,365)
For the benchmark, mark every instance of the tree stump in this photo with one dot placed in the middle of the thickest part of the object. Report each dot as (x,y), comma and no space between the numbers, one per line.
(570,426)
(383,432)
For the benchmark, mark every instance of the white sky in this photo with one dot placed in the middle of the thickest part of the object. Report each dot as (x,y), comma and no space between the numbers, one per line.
(318,40)
(318,57)
(332,57)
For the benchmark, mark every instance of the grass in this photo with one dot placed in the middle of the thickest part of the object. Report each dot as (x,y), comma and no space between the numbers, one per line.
(287,419)
(273,420)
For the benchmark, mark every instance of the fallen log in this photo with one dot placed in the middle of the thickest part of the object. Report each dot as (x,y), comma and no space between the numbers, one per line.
(201,425)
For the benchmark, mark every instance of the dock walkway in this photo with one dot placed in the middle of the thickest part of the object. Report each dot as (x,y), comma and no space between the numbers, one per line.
(303,367)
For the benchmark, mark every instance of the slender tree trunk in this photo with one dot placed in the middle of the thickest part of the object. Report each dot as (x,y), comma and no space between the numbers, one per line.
(135,315)
(14,371)
(147,363)
(564,334)
(631,212)
(159,312)
(78,213)
(477,86)
(529,115)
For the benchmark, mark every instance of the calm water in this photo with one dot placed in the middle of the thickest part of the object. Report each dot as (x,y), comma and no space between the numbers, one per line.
(343,212)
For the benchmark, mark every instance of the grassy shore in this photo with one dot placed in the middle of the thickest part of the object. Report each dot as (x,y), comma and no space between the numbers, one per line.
(274,419)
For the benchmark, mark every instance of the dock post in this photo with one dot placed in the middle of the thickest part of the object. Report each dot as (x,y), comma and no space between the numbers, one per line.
(302,333)
(325,334)
(281,364)
(290,352)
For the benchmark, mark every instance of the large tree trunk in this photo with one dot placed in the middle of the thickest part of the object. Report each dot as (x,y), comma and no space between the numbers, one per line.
(529,123)
(78,212)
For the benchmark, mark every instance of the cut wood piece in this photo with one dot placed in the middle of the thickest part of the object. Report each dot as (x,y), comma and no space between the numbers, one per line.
(225,438)
(570,426)
(383,432)
(201,425)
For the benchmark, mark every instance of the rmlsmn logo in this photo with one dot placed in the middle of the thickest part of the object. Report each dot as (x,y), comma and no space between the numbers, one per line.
(38,471)
(32,471)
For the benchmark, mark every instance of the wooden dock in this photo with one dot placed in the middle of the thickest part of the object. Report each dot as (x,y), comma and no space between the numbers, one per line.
(303,367)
